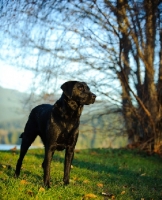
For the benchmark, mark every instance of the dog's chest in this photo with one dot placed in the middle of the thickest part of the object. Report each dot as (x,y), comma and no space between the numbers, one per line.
(68,127)
(64,125)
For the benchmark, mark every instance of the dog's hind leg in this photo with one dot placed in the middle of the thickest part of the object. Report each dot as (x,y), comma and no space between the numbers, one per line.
(26,142)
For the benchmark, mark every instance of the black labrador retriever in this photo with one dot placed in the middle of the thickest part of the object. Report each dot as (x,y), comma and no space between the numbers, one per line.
(57,125)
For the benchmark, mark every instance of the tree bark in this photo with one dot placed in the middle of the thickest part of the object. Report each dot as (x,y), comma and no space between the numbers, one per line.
(151,100)
(124,64)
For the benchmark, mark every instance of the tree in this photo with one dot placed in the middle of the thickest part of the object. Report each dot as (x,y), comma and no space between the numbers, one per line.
(114,45)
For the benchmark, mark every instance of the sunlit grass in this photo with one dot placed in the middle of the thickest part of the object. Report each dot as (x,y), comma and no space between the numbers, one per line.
(99,173)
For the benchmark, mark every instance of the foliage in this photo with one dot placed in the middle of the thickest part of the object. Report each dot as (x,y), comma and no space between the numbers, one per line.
(98,173)
(10,131)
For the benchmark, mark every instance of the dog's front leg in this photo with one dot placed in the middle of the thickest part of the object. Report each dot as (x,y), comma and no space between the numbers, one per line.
(69,155)
(46,166)
(67,164)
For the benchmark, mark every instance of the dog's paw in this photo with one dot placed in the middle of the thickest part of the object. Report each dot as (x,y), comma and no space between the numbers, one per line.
(16,175)
(66,182)
(47,184)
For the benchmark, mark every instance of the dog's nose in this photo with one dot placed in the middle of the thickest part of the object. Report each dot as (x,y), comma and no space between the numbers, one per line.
(93,96)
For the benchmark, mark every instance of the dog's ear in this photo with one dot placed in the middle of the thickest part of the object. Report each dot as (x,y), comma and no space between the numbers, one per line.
(67,88)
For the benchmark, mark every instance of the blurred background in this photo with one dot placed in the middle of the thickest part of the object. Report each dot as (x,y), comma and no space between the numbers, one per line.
(113,45)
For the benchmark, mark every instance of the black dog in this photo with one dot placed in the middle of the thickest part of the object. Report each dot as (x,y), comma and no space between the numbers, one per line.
(57,125)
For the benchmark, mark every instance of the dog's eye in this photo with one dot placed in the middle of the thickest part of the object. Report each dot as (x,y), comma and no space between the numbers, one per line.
(81,88)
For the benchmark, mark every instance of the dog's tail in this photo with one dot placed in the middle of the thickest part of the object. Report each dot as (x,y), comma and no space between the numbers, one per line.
(21,136)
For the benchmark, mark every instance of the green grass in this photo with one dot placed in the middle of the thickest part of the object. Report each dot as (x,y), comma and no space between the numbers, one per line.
(121,174)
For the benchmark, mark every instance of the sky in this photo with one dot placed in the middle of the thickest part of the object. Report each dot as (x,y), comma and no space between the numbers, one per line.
(15,78)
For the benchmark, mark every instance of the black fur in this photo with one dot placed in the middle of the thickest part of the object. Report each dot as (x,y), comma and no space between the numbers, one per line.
(57,125)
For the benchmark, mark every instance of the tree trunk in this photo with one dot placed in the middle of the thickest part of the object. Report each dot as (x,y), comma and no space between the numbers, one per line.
(158,138)
(124,64)
(151,100)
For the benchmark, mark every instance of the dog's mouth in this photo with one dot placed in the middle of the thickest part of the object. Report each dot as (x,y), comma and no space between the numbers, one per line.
(89,100)
(93,101)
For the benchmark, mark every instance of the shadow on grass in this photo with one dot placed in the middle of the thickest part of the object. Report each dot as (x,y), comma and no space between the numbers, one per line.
(125,169)
(119,168)
(111,167)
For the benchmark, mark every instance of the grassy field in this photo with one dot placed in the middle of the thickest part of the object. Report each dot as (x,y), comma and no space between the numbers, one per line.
(96,174)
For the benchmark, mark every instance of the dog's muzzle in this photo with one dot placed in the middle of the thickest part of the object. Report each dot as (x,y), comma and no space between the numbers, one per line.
(93,98)
(89,99)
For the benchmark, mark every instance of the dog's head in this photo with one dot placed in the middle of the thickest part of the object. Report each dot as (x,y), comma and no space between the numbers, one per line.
(78,92)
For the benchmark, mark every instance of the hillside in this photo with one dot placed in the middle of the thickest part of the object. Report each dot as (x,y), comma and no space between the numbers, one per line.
(11,105)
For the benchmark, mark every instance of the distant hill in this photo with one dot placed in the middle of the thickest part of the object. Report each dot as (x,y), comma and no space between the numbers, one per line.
(12,115)
(11,105)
